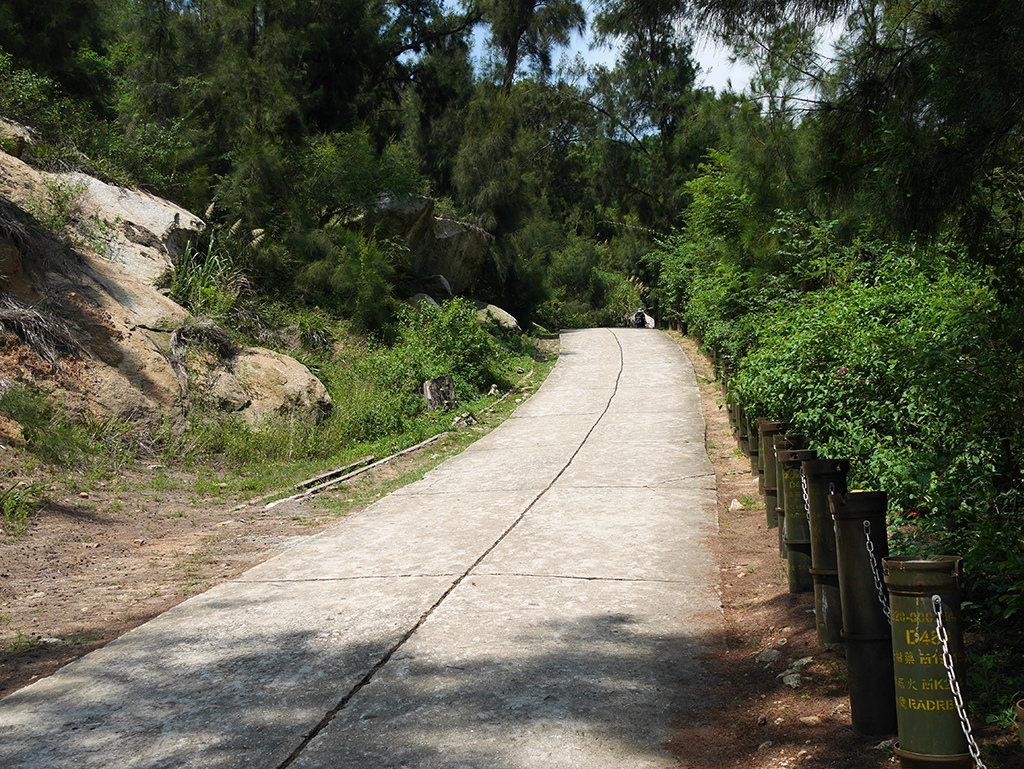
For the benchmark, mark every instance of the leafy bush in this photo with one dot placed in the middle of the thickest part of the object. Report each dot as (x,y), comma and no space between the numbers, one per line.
(915,372)
(449,340)
(75,138)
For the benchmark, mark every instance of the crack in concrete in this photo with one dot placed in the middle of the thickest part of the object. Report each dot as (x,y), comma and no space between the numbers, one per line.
(326,720)
(576,577)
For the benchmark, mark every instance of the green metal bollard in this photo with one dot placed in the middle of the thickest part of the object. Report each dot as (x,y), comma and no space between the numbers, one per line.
(783,442)
(743,427)
(930,733)
(754,442)
(861,544)
(823,478)
(766,458)
(798,530)
(1020,721)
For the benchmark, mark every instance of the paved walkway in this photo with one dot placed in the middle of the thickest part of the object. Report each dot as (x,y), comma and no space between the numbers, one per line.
(538,601)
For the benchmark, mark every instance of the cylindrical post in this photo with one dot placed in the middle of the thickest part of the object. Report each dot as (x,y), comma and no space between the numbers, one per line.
(824,477)
(1020,721)
(861,544)
(798,532)
(783,442)
(929,724)
(742,427)
(766,458)
(754,443)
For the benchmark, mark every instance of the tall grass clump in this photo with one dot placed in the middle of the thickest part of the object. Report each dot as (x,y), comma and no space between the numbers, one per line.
(17,502)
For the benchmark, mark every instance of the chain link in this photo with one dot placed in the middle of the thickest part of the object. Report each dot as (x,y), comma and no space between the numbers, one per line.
(947,661)
(807,496)
(874,570)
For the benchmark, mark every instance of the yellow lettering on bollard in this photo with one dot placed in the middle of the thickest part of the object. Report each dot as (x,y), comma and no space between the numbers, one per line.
(927,637)
(909,703)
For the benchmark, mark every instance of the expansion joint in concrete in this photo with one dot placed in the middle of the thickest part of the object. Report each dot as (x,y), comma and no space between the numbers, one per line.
(329,716)
(575,577)
(355,578)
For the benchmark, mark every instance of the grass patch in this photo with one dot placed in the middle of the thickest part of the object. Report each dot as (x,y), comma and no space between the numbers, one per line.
(17,503)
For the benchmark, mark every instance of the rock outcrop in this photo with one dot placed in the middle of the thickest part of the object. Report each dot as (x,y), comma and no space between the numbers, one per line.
(144,233)
(458,251)
(92,289)
(260,383)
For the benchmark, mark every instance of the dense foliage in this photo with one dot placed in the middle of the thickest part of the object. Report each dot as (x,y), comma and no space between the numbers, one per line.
(856,269)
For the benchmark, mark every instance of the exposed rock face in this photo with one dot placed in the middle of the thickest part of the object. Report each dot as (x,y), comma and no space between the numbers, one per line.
(456,250)
(120,321)
(16,138)
(144,233)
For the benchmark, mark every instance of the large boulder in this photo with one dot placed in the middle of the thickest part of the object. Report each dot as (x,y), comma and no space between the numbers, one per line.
(94,295)
(456,250)
(491,314)
(276,385)
(142,232)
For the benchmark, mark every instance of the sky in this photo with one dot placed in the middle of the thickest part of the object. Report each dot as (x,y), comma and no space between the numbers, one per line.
(716,70)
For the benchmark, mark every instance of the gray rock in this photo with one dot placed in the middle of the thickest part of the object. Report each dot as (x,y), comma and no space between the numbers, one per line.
(792,680)
(227,392)
(143,232)
(487,314)
(458,251)
(16,139)
(420,300)
(278,385)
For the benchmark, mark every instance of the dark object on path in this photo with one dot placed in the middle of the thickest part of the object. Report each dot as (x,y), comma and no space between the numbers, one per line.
(639,319)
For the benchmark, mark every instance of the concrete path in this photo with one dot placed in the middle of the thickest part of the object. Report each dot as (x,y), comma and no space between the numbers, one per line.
(540,600)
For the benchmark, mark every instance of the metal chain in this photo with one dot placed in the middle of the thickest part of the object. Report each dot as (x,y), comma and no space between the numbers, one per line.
(807,496)
(874,570)
(947,661)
